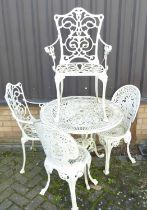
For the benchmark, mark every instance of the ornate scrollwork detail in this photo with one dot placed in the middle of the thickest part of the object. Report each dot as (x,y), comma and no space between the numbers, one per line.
(109,142)
(51,52)
(79,43)
(128,99)
(17,103)
(107,49)
(81,113)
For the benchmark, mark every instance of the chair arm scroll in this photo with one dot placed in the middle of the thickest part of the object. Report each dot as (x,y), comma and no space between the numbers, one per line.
(36,103)
(51,51)
(107,50)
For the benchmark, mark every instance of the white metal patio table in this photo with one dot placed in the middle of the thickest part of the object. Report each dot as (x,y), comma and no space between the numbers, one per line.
(81,115)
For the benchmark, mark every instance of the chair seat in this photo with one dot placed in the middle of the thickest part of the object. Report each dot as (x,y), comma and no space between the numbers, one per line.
(74,166)
(77,69)
(118,131)
(30,131)
(83,157)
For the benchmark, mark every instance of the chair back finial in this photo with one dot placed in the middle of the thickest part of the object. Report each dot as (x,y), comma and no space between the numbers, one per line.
(79,32)
(16,101)
(128,99)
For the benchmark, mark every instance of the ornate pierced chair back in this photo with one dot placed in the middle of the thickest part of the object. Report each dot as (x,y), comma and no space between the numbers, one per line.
(58,146)
(128,99)
(16,101)
(79,32)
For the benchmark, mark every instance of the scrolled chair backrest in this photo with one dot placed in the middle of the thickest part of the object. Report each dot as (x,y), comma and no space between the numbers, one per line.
(58,146)
(16,101)
(128,99)
(78,32)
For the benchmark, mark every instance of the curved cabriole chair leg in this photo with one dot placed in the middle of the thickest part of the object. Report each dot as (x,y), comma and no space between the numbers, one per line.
(23,140)
(32,146)
(95,148)
(96,152)
(72,185)
(108,149)
(94,181)
(86,179)
(42,192)
(103,97)
(58,98)
(96,88)
(61,89)
(48,171)
(127,140)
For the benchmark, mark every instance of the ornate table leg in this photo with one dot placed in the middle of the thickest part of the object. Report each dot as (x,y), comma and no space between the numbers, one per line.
(89,144)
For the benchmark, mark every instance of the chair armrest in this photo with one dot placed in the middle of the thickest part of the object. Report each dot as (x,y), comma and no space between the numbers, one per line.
(51,51)
(35,103)
(107,50)
(30,122)
(25,121)
(107,47)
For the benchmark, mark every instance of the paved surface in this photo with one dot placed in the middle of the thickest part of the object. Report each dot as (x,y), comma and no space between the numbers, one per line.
(124,188)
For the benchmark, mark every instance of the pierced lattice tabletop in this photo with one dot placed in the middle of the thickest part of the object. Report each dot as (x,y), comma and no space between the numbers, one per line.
(81,115)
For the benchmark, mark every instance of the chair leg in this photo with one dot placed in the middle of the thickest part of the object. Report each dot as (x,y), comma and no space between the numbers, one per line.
(72,185)
(95,148)
(42,192)
(108,149)
(104,80)
(108,144)
(32,146)
(58,80)
(23,140)
(96,152)
(94,181)
(127,140)
(96,88)
(86,180)
(61,89)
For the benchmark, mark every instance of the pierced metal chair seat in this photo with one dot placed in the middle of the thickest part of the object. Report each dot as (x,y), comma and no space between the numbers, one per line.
(30,131)
(17,103)
(74,166)
(64,155)
(127,98)
(80,69)
(118,131)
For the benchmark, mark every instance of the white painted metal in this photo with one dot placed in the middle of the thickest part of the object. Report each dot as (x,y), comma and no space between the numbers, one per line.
(79,36)
(17,103)
(128,99)
(64,155)
(82,115)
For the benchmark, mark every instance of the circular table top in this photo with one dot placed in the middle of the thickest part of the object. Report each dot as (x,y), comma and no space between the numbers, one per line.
(81,115)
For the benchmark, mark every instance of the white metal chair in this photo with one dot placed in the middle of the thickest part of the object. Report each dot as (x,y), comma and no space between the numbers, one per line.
(64,155)
(79,37)
(128,99)
(17,103)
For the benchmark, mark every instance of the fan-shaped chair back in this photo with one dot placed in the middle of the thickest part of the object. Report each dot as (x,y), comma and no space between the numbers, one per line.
(16,101)
(58,146)
(128,99)
(78,33)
